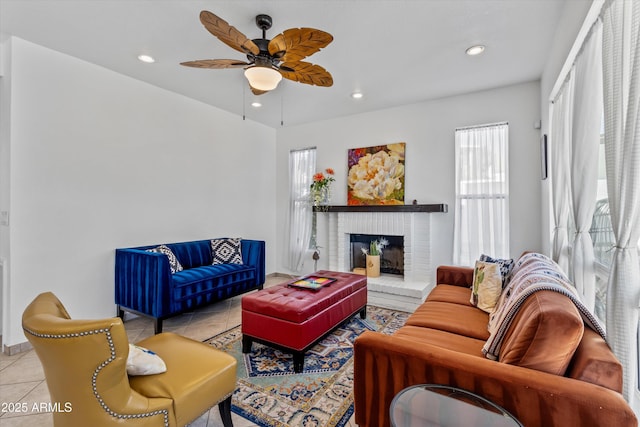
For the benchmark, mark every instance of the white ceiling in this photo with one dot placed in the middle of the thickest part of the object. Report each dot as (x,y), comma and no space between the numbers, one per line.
(395,51)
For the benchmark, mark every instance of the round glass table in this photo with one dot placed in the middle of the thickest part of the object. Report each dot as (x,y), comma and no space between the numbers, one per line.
(427,405)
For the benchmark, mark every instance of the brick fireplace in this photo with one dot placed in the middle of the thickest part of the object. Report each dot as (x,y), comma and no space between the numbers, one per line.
(412,223)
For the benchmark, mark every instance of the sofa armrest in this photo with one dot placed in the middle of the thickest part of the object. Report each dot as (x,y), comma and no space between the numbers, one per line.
(143,281)
(384,365)
(454,275)
(253,254)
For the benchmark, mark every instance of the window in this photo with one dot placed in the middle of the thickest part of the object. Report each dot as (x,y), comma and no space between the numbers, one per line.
(302,164)
(482,193)
(602,63)
(601,233)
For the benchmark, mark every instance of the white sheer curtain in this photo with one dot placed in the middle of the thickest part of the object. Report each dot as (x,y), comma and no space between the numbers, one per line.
(560,145)
(585,133)
(621,20)
(482,193)
(302,164)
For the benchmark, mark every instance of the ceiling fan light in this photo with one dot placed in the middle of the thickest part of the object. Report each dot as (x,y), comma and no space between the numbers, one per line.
(263,78)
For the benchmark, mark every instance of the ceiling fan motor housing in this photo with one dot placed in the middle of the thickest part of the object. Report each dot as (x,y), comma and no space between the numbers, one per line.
(263,59)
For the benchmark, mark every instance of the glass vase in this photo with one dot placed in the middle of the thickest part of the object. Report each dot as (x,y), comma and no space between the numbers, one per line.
(321,198)
(325,196)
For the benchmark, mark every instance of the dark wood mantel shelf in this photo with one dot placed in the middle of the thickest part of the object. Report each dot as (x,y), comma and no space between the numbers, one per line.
(441,207)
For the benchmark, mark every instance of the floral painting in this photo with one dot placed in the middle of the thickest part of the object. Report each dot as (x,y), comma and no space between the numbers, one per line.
(376,175)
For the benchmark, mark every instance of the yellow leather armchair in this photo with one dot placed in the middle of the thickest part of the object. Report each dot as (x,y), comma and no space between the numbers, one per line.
(85,367)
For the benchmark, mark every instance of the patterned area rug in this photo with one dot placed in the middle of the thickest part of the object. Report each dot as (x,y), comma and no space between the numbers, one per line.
(269,392)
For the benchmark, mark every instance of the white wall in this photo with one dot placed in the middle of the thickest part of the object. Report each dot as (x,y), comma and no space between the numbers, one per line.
(100,161)
(428,129)
(5,91)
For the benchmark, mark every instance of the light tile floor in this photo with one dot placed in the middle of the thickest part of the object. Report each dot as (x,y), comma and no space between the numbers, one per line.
(22,377)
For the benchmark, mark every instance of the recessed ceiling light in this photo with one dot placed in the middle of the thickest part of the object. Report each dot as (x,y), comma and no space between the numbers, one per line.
(357,95)
(475,50)
(256,104)
(146,58)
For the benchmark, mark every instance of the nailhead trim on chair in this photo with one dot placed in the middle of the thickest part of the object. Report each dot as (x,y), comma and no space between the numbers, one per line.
(112,349)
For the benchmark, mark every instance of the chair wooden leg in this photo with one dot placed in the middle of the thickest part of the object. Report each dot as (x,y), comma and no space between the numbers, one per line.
(225,412)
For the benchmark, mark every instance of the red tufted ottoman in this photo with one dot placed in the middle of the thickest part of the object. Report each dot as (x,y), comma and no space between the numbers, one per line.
(293,319)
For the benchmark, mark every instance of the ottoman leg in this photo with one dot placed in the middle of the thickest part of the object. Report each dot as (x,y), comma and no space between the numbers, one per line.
(246,344)
(298,362)
(363,312)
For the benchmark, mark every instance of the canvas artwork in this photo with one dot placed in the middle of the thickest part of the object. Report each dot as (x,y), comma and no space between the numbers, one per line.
(376,175)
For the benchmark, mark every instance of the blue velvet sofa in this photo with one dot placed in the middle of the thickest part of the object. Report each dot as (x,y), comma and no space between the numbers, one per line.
(145,284)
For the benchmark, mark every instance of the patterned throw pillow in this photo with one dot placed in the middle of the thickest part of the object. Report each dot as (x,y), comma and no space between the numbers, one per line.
(142,361)
(226,251)
(506,265)
(173,261)
(487,285)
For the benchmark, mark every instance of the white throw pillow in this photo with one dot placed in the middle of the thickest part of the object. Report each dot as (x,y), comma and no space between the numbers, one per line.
(142,361)
(487,285)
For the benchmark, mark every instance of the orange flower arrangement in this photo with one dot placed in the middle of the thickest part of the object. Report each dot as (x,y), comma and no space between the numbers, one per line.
(320,180)
(321,185)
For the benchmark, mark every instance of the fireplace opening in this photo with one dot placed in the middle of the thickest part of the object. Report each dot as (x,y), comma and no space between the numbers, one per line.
(392,258)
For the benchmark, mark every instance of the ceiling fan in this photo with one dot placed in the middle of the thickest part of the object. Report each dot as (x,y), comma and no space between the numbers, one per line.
(269,60)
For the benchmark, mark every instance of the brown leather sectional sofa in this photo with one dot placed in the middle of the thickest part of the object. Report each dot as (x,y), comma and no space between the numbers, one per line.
(552,369)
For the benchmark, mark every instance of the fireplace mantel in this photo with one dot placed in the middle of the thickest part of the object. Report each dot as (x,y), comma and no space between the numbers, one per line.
(441,207)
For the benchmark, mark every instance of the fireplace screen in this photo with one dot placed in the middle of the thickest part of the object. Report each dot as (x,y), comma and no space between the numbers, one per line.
(391,260)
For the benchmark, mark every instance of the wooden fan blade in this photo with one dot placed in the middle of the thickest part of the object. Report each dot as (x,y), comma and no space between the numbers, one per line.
(215,63)
(227,34)
(295,44)
(305,72)
(257,91)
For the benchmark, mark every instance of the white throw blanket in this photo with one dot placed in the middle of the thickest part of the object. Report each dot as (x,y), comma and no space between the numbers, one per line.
(533,272)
